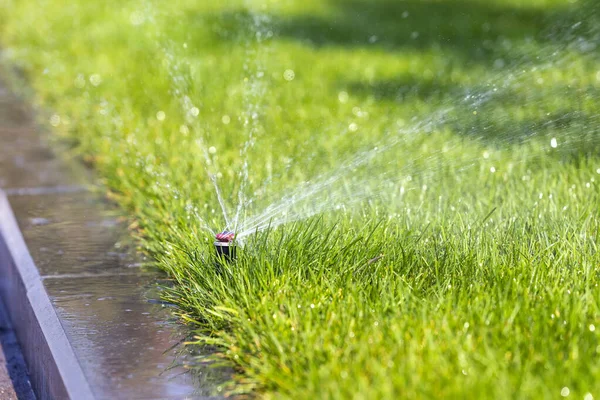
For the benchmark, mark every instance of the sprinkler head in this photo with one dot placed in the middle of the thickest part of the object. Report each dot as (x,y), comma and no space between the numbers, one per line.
(225,246)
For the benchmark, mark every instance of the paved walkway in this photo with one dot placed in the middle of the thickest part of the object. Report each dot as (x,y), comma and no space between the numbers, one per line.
(104,299)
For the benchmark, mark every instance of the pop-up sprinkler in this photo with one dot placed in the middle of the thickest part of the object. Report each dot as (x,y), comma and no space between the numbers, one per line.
(225,246)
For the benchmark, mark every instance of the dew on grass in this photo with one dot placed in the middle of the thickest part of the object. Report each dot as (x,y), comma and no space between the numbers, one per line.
(226,119)
(55,120)
(289,75)
(95,79)
(136,18)
(212,150)
(161,115)
(343,97)
(405,14)
(564,392)
(194,111)
(553,143)
(588,396)
(184,130)
(592,327)
(486,155)
(79,81)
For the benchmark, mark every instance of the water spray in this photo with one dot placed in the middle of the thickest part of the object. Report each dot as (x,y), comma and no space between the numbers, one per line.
(225,245)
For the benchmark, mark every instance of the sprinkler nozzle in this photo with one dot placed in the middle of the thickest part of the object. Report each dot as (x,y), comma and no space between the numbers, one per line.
(224,245)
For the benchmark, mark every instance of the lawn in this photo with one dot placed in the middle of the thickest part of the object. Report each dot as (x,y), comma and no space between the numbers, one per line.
(438,161)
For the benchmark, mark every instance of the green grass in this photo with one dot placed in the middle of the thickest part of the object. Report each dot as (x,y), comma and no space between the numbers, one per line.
(471,271)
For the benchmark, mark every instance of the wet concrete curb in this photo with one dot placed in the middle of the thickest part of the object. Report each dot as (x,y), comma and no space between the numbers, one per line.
(54,370)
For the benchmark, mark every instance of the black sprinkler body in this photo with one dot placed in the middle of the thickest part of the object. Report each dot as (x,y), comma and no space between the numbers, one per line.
(225,245)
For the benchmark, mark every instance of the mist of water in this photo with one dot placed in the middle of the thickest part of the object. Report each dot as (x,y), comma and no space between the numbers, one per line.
(343,187)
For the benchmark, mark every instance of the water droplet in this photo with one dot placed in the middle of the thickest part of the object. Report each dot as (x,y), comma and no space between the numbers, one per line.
(486,155)
(95,79)
(373,39)
(592,328)
(553,143)
(289,75)
(195,111)
(598,171)
(212,150)
(79,81)
(226,119)
(343,97)
(55,120)
(161,115)
(136,18)
(405,14)
(353,127)
(588,396)
(499,63)
(493,169)
(184,130)
(564,392)
(414,35)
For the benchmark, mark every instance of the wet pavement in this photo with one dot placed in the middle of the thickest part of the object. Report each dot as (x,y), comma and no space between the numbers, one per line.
(101,292)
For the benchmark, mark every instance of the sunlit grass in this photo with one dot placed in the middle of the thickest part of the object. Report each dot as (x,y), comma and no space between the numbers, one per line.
(470,271)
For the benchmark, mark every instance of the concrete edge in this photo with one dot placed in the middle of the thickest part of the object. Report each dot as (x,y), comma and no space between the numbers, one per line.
(54,370)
